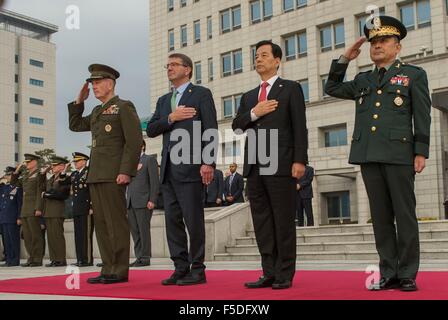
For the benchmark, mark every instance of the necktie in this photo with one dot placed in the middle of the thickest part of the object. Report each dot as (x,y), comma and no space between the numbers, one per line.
(264,92)
(174,100)
(381,74)
(230,181)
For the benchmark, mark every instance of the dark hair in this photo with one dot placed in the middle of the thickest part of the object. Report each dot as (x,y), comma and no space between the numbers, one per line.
(186,61)
(276,50)
(144,145)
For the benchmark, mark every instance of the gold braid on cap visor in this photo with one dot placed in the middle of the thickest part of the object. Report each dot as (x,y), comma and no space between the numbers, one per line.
(384,31)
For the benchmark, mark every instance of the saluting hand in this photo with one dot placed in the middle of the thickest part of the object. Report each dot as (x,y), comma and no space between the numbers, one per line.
(354,51)
(265,107)
(83,94)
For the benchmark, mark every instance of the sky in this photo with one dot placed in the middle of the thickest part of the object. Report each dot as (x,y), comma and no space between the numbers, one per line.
(112,32)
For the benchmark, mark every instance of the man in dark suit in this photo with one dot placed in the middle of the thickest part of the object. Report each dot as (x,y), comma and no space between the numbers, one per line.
(82,211)
(304,198)
(141,197)
(186,109)
(391,143)
(234,186)
(214,191)
(277,108)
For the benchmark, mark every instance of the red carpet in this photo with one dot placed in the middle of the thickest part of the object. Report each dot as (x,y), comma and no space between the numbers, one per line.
(228,285)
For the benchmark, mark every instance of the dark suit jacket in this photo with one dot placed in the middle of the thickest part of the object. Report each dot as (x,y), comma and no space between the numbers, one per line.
(202,100)
(215,189)
(289,119)
(144,186)
(10,203)
(236,190)
(306,187)
(81,196)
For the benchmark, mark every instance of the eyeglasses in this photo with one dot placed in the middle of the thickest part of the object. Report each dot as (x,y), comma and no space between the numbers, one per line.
(173,64)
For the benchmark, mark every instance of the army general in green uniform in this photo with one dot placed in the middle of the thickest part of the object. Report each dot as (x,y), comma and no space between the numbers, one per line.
(116,145)
(390,142)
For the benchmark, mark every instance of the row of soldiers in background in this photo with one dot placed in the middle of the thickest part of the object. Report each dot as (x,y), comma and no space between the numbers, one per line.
(37,203)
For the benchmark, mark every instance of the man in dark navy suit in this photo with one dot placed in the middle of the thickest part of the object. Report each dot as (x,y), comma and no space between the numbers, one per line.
(276,110)
(181,112)
(305,198)
(234,186)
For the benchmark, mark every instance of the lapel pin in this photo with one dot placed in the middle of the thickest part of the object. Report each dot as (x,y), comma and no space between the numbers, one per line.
(281,86)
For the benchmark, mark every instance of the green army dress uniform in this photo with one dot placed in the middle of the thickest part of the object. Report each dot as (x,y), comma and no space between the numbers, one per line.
(392,126)
(116,147)
(33,185)
(56,192)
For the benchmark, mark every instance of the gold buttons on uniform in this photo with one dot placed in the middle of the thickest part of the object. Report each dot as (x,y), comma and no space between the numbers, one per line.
(375,116)
(398,91)
(373,129)
(379,92)
(404,139)
(378,104)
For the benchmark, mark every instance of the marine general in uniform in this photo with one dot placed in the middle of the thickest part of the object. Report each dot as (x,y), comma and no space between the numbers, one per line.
(390,142)
(116,145)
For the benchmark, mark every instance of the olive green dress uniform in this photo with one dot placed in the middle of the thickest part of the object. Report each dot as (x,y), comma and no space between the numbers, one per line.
(57,191)
(392,126)
(116,147)
(33,185)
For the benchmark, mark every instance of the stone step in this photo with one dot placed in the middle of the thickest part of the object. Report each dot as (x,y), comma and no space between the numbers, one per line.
(425,255)
(346,247)
(346,237)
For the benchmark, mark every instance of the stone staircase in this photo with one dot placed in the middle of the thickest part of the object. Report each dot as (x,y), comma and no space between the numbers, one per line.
(341,243)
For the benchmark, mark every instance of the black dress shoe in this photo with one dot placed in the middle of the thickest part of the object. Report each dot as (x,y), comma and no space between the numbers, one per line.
(51,264)
(192,279)
(133,263)
(84,264)
(25,265)
(96,280)
(140,264)
(408,285)
(35,264)
(112,279)
(100,265)
(75,264)
(278,285)
(263,282)
(60,264)
(173,279)
(386,284)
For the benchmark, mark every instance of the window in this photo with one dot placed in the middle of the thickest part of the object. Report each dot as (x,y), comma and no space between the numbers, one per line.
(197,31)
(230,19)
(289,5)
(232,63)
(198,72)
(306,89)
(36,121)
(231,105)
(338,206)
(231,149)
(210,69)
(362,21)
(183,3)
(16,97)
(416,14)
(36,140)
(170,5)
(16,78)
(38,83)
(335,136)
(16,58)
(36,63)
(16,117)
(209,28)
(171,40)
(16,157)
(323,80)
(253,51)
(295,44)
(16,137)
(183,36)
(38,102)
(332,37)
(260,10)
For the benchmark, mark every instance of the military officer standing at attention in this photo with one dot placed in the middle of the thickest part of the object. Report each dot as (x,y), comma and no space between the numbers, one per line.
(10,204)
(390,142)
(116,146)
(57,191)
(32,183)
(82,211)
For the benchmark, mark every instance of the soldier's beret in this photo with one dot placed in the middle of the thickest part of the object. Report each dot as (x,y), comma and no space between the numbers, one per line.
(384,26)
(101,71)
